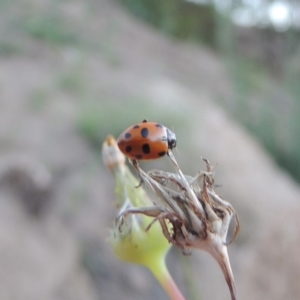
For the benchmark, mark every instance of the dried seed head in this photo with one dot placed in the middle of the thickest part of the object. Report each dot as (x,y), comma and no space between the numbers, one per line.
(199,218)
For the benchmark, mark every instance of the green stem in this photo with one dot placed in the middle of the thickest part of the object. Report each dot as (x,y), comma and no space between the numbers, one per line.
(161,273)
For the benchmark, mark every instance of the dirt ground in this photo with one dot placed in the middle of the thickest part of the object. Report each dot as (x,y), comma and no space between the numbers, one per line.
(57,199)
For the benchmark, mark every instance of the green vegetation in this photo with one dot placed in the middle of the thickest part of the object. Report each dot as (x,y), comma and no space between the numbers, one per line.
(267,102)
(177,18)
(8,48)
(50,28)
(95,119)
(72,81)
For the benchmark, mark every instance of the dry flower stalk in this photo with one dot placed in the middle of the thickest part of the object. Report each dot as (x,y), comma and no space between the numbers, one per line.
(199,218)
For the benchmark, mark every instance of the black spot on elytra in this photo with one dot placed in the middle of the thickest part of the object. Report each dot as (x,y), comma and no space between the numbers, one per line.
(144,132)
(139,156)
(145,121)
(128,149)
(159,125)
(146,148)
(162,153)
(127,135)
(136,126)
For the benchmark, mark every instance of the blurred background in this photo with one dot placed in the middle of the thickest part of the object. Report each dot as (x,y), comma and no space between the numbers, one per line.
(224,75)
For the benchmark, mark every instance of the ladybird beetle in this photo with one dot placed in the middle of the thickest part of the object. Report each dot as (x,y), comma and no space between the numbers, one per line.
(146,141)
